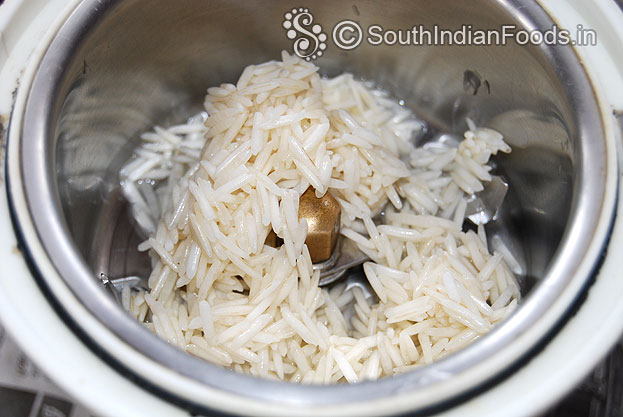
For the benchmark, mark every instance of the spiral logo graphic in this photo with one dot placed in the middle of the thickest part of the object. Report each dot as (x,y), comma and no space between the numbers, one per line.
(347,34)
(309,40)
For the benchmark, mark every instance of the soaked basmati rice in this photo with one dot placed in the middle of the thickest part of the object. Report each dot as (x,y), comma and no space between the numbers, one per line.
(226,180)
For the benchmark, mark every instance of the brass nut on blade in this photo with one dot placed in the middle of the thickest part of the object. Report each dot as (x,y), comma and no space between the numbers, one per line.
(273,240)
(323,217)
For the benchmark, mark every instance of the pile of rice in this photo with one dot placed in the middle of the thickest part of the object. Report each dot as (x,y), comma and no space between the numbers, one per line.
(225,180)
